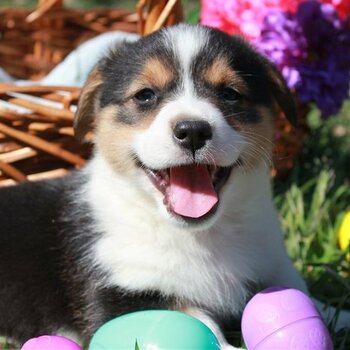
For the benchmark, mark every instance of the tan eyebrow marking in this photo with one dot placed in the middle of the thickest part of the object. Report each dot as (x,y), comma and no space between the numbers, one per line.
(154,74)
(220,73)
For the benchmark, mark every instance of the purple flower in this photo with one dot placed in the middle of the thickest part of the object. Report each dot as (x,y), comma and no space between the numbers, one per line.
(283,42)
(312,50)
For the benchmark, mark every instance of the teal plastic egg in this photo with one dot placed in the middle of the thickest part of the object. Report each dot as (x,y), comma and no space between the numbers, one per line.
(154,330)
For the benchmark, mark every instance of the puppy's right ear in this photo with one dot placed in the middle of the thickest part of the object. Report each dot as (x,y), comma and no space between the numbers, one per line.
(88,104)
(282,94)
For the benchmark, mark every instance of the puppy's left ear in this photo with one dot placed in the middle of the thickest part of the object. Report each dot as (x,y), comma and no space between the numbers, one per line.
(282,94)
(88,104)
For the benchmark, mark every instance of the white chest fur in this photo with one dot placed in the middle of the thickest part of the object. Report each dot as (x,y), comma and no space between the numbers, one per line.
(140,250)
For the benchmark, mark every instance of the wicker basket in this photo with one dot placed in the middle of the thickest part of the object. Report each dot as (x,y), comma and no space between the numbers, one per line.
(36,137)
(44,37)
(36,134)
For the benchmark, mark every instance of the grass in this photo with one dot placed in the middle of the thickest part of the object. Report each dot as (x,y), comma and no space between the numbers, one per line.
(4,345)
(311,214)
(312,202)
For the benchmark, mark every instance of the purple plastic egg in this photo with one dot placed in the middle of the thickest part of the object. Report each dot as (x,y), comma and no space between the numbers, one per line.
(283,318)
(50,342)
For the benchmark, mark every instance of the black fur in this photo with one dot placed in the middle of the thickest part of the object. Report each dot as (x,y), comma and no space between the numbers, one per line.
(256,71)
(265,83)
(47,279)
(127,60)
(32,296)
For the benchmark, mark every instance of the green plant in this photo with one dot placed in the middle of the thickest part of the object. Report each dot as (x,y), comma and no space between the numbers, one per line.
(312,202)
(4,345)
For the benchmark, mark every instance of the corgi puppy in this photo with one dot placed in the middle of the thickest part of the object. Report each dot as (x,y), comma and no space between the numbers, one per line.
(173,211)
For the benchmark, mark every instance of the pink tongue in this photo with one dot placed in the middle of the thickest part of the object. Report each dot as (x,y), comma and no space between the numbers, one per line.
(191,192)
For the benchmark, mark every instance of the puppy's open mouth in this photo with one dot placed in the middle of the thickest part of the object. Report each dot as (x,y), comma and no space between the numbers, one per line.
(190,191)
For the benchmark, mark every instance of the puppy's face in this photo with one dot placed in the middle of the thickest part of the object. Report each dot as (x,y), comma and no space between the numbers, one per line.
(183,108)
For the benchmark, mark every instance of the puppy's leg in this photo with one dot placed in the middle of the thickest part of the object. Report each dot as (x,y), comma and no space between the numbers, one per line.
(212,325)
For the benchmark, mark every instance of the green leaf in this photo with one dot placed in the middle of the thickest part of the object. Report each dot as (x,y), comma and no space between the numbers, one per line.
(137,346)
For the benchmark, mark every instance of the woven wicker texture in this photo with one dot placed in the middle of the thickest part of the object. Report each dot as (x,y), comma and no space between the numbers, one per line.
(36,140)
(44,37)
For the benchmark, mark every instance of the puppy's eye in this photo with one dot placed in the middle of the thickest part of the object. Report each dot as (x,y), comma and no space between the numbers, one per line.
(145,96)
(229,95)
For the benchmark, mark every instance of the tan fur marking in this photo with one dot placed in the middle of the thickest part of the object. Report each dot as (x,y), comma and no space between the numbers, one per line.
(259,138)
(220,73)
(154,75)
(113,138)
(87,106)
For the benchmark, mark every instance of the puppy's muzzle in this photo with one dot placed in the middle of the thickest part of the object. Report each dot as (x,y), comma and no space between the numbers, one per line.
(192,134)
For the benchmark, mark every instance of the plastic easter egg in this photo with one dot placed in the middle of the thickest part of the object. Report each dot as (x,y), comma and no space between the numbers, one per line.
(283,318)
(344,233)
(50,342)
(154,330)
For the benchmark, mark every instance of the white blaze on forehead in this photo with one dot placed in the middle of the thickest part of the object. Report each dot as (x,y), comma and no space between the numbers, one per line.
(155,146)
(187,42)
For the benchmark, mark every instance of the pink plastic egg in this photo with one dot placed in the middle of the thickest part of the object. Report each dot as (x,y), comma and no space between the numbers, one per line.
(50,342)
(283,318)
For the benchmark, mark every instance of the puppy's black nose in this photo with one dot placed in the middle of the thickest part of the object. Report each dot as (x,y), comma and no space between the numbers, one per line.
(192,134)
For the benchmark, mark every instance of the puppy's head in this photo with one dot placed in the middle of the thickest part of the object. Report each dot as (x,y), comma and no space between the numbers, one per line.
(184,109)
